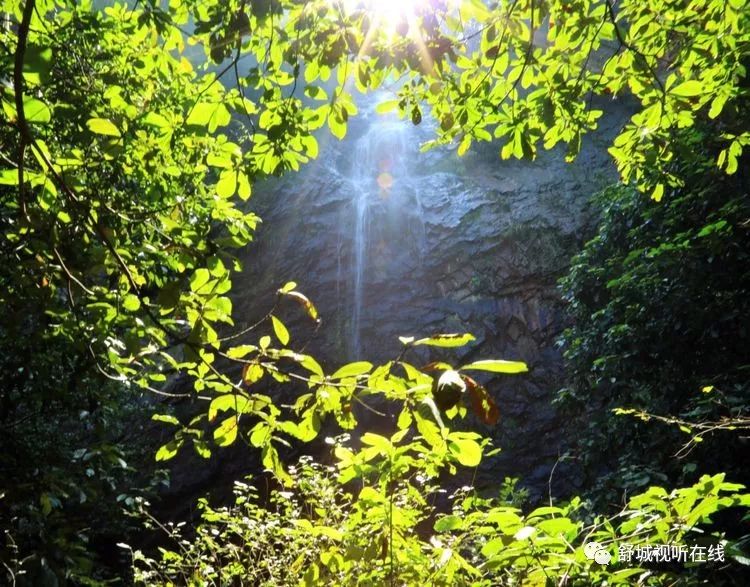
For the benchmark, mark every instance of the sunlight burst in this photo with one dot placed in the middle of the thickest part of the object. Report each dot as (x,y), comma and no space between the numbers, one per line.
(388,14)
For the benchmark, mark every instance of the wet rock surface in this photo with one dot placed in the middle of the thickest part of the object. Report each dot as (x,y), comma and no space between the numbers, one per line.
(438,244)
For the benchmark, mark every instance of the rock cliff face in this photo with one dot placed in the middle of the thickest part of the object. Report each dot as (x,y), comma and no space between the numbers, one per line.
(389,241)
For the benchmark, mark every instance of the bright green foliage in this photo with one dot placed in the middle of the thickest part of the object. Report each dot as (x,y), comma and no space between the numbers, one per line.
(372,519)
(524,72)
(384,530)
(659,299)
(124,216)
(108,207)
(122,175)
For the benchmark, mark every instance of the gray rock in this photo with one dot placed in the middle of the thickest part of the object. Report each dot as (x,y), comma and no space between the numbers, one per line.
(473,245)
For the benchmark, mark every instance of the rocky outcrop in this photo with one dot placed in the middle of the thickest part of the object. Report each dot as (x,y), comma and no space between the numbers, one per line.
(388,241)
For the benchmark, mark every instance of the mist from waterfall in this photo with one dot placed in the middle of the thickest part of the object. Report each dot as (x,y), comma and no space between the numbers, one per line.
(385,214)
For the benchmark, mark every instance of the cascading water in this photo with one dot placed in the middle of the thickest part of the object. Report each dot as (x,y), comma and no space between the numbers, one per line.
(385,209)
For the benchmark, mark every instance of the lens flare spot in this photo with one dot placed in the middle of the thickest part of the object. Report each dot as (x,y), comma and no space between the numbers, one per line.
(385,181)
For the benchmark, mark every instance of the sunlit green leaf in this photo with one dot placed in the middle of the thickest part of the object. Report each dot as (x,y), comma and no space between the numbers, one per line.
(37,112)
(352,370)
(226,433)
(445,340)
(280,330)
(102,126)
(466,451)
(496,366)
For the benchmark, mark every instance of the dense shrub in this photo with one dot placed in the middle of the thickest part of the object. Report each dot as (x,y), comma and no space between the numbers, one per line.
(659,301)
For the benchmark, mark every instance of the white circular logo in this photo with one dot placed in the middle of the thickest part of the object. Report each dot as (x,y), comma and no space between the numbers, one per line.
(597,552)
(591,549)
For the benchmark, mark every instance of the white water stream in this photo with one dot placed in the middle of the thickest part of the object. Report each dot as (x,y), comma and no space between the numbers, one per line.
(385,197)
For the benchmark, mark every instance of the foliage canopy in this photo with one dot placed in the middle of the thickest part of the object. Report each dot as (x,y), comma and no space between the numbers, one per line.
(122,167)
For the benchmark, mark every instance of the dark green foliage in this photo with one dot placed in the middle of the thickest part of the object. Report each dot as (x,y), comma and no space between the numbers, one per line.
(660,300)
(85,244)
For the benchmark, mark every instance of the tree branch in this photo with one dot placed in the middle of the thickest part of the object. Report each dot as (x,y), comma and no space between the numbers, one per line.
(25,135)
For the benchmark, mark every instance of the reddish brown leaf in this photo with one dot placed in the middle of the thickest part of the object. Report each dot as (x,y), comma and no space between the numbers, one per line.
(481,402)
(435,366)
(384,544)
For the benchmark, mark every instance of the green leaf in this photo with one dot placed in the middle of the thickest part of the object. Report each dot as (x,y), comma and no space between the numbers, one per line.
(37,112)
(37,64)
(717,105)
(244,189)
(227,184)
(209,115)
(165,418)
(102,126)
(336,125)
(131,302)
(251,373)
(387,106)
(168,450)
(237,403)
(260,435)
(201,448)
(281,332)
(445,340)
(155,119)
(241,351)
(352,370)
(429,423)
(311,365)
(309,427)
(404,418)
(688,89)
(448,523)
(377,441)
(493,547)
(270,459)
(8,177)
(226,433)
(464,145)
(496,366)
(709,229)
(467,451)
(200,278)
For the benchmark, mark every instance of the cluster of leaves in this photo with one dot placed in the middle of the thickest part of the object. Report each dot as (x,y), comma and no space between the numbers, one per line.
(421,398)
(658,300)
(530,75)
(114,198)
(523,72)
(379,526)
(121,171)
(67,461)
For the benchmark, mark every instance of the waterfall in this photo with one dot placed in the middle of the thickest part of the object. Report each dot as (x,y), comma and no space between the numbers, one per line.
(385,209)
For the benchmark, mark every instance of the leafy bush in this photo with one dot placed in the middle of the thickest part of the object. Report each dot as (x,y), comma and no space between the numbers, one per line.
(659,300)
(378,516)
(371,520)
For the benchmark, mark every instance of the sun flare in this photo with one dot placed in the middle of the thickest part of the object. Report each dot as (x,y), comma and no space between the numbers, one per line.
(388,14)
